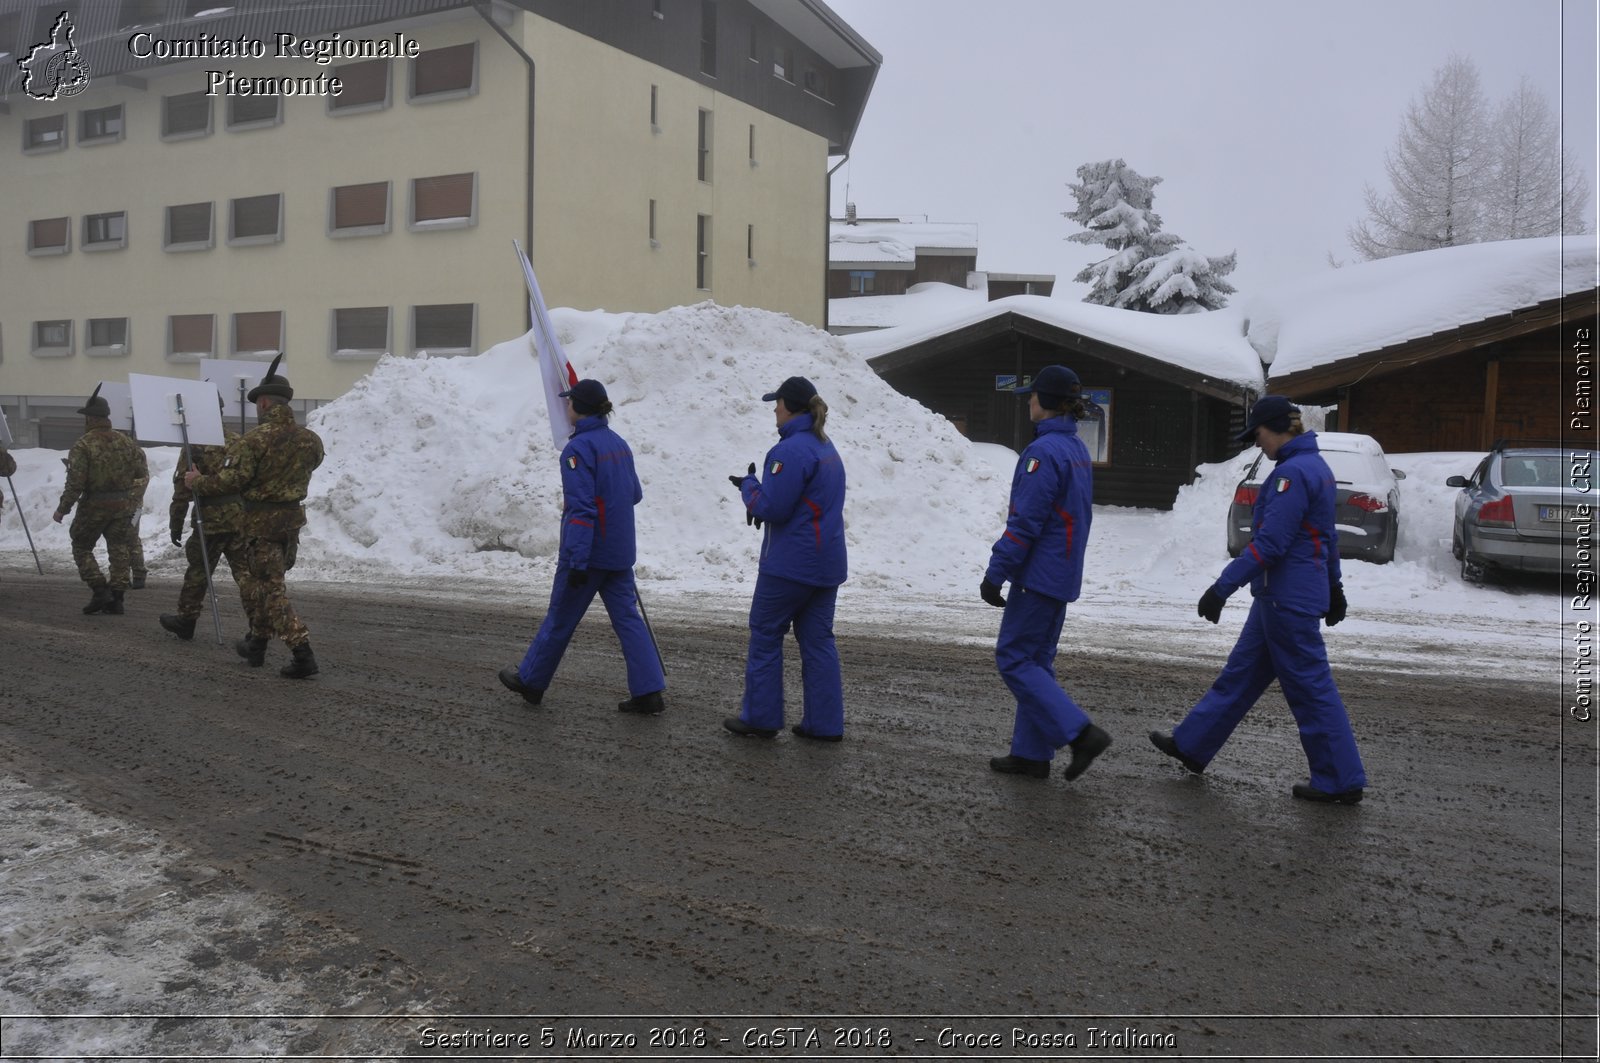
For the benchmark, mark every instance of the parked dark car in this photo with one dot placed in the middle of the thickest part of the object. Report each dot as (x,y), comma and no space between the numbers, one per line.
(1367,510)
(1519,510)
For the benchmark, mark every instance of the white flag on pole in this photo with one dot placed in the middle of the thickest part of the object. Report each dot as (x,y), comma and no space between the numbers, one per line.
(554,368)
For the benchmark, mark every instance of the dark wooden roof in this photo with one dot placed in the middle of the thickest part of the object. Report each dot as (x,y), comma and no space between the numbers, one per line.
(980,333)
(1322,381)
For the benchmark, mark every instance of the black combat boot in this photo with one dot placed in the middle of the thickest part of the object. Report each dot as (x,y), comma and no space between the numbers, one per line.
(101,599)
(114,606)
(137,582)
(181,626)
(644,705)
(304,665)
(252,648)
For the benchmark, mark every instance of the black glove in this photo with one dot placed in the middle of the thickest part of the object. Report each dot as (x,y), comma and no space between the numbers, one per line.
(1337,606)
(177,530)
(577,577)
(738,481)
(751,520)
(991,594)
(1211,604)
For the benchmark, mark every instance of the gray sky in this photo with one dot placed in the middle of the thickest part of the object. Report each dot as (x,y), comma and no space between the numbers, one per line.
(1264,117)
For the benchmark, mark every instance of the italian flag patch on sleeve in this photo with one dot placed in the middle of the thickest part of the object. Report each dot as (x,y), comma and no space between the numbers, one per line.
(572,461)
(1032,466)
(776,468)
(1282,485)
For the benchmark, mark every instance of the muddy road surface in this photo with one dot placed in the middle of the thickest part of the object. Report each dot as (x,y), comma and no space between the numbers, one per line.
(446,850)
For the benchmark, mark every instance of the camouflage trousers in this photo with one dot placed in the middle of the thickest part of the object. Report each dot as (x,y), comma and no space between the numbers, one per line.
(266,598)
(192,598)
(92,523)
(136,550)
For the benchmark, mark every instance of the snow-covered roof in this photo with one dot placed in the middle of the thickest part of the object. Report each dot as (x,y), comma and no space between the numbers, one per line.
(1341,313)
(887,311)
(886,242)
(1210,344)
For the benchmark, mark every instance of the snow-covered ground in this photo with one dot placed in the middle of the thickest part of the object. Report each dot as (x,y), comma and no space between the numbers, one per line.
(442,470)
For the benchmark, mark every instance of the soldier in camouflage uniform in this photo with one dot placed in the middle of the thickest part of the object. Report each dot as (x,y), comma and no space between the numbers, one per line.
(221,516)
(135,544)
(102,468)
(270,467)
(8,467)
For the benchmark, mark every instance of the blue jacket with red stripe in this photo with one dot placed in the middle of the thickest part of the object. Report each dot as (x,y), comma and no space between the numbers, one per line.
(801,497)
(1047,531)
(1293,557)
(599,490)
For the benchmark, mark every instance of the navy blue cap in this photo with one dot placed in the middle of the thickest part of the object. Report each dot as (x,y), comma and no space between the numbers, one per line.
(1055,380)
(587,396)
(1270,410)
(796,393)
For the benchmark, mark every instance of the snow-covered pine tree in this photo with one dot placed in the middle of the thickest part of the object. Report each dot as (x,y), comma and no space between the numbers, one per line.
(1536,189)
(1148,270)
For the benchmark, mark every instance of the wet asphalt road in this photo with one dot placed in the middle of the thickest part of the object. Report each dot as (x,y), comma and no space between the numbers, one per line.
(451,850)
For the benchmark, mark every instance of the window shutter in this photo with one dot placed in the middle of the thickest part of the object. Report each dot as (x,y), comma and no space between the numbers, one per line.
(443,70)
(361,328)
(188,113)
(256,216)
(445,326)
(191,333)
(437,198)
(364,83)
(50,232)
(355,206)
(257,331)
(189,223)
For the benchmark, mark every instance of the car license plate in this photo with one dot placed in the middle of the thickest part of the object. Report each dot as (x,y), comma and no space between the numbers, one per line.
(1557,513)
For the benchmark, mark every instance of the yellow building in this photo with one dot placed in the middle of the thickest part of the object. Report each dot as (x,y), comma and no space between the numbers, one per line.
(188,179)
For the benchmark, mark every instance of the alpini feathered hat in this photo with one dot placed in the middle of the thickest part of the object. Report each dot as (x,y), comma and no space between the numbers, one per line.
(272,384)
(96,406)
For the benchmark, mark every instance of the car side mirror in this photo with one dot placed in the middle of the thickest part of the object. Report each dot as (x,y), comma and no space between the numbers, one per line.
(1399,474)
(1456,481)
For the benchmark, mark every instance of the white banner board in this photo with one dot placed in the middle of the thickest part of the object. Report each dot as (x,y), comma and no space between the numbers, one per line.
(5,431)
(156,405)
(120,398)
(226,374)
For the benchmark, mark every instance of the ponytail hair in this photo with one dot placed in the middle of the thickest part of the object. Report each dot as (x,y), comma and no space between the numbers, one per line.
(819,417)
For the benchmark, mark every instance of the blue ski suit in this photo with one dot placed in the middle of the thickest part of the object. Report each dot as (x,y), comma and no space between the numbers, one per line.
(599,490)
(1291,564)
(800,496)
(1041,555)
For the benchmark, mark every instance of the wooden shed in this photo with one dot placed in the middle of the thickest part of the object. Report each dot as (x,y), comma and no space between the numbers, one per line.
(1157,421)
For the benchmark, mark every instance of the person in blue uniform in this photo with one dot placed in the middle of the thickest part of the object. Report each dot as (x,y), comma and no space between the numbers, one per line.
(1041,555)
(599,490)
(799,498)
(1292,566)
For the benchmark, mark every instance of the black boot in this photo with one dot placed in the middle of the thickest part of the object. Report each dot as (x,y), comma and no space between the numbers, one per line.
(181,626)
(101,599)
(253,648)
(137,583)
(1088,745)
(644,704)
(114,606)
(304,665)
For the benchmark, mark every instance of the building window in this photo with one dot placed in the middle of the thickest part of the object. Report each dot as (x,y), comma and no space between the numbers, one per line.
(255,220)
(1096,428)
(361,332)
(702,252)
(140,13)
(9,27)
(366,87)
(863,281)
(750,244)
(708,37)
(704,153)
(783,62)
(752,144)
(655,9)
(755,44)
(185,115)
(189,227)
(653,241)
(445,72)
(816,82)
(108,337)
(254,112)
(45,134)
(445,329)
(449,201)
(190,337)
(259,332)
(103,125)
(359,210)
(52,339)
(49,236)
(655,112)
(105,232)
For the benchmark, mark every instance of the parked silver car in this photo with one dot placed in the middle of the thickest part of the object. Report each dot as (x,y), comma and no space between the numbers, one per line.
(1519,510)
(1367,507)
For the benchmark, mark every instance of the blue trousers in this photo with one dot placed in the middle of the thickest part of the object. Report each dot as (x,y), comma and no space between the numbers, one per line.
(1278,644)
(1025,652)
(777,604)
(567,606)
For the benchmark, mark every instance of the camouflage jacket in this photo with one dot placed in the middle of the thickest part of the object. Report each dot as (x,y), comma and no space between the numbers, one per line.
(221,513)
(270,466)
(102,469)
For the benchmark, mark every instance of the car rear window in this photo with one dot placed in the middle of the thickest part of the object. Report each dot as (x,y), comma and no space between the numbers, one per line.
(1354,468)
(1531,470)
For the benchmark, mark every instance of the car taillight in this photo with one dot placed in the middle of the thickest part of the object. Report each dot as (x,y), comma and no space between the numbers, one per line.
(1498,512)
(1244,496)
(1368,503)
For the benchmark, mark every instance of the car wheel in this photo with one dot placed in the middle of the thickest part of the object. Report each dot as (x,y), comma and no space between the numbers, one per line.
(1455,546)
(1472,569)
(1385,551)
